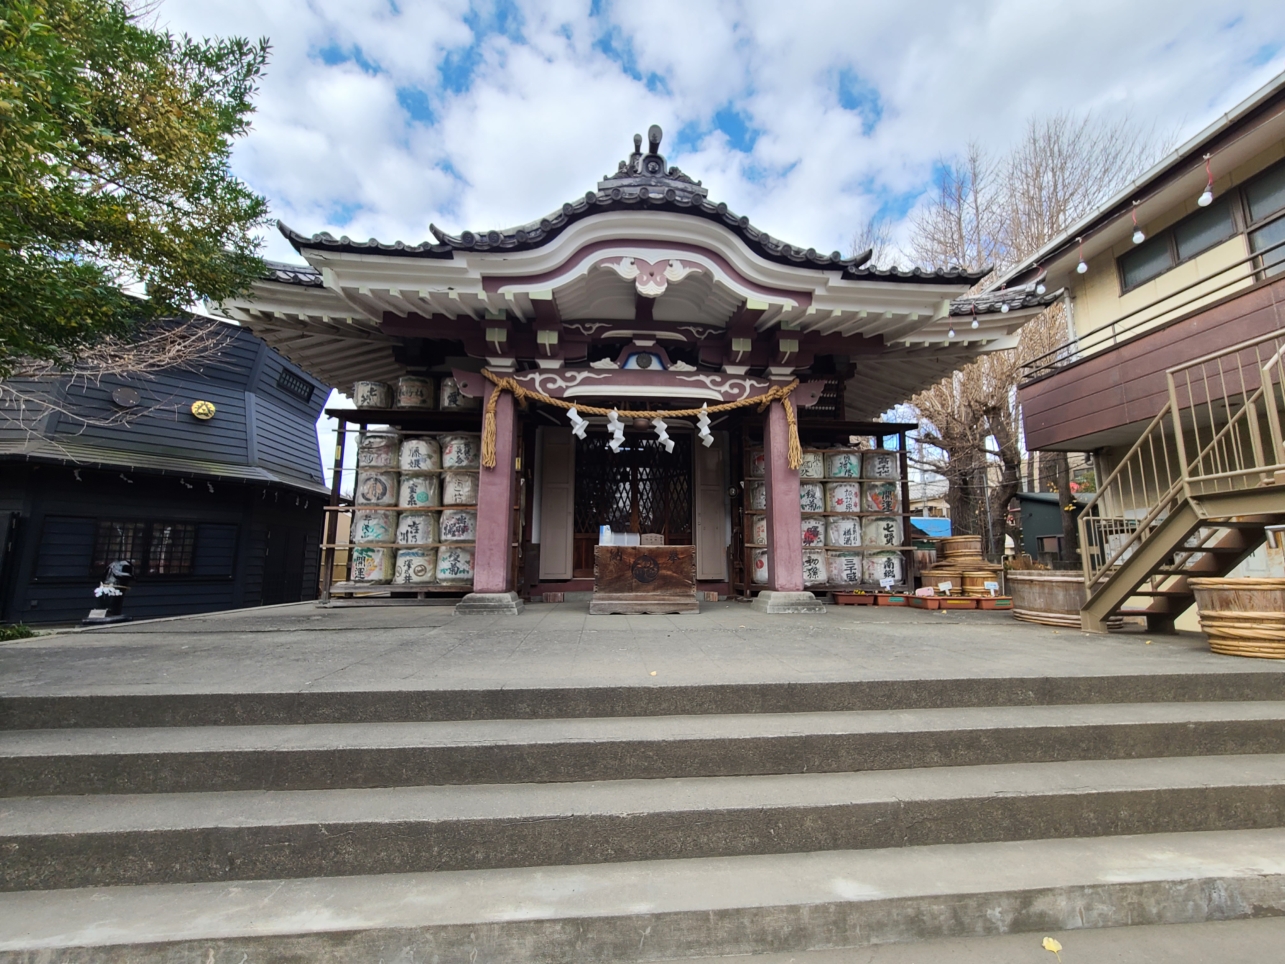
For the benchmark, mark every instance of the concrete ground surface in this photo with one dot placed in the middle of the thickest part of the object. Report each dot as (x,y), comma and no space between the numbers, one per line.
(756,782)
(302,647)
(1215,942)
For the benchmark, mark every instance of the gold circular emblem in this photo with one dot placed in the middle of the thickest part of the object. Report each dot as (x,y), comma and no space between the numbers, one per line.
(203,410)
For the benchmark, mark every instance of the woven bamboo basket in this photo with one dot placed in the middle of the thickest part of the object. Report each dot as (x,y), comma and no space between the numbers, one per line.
(1242,617)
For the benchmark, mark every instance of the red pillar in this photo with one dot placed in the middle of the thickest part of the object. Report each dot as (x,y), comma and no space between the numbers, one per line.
(495,494)
(784,518)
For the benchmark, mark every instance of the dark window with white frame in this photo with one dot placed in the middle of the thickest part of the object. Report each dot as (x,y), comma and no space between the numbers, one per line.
(1180,242)
(1265,209)
(1259,205)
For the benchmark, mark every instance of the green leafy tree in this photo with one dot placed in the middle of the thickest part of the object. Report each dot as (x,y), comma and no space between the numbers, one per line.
(115,142)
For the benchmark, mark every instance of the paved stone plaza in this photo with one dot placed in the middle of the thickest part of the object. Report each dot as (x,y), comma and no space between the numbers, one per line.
(399,783)
(302,646)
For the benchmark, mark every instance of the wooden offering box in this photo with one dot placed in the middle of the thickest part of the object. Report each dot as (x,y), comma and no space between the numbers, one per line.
(644,579)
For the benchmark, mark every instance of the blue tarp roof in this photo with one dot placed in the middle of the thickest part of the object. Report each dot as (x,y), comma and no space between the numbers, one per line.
(936,528)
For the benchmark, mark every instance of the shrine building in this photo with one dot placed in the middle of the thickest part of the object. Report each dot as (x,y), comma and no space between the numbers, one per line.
(641,297)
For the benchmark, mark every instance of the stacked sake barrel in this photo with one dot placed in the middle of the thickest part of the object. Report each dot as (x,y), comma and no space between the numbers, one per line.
(415,521)
(852,527)
(420,392)
(963,566)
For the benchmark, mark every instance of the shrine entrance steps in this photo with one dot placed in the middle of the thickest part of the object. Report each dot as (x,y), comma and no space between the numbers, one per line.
(635,823)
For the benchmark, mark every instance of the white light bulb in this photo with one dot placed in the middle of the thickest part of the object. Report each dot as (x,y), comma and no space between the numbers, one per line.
(1040,289)
(1004,308)
(1207,198)
(975,323)
(1081,268)
(951,333)
(1138,236)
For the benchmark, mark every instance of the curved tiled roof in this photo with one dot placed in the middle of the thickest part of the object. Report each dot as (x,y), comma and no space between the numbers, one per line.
(643,182)
(1031,295)
(293,274)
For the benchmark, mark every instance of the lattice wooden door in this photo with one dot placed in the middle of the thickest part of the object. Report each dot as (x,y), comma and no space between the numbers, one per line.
(641,488)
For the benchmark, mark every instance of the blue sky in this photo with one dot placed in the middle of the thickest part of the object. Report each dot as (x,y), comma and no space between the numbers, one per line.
(378,117)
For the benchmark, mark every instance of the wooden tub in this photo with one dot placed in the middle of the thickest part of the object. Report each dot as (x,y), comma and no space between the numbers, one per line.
(1242,617)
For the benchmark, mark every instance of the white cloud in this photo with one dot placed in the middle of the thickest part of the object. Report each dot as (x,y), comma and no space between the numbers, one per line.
(539,104)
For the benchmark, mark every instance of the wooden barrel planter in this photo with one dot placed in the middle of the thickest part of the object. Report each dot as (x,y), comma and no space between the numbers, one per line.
(955,547)
(1242,617)
(1049,597)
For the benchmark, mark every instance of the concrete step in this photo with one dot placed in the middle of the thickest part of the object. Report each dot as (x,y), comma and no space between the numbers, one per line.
(223,708)
(80,841)
(333,756)
(872,901)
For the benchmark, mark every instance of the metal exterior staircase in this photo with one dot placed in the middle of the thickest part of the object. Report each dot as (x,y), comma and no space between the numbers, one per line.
(1200,490)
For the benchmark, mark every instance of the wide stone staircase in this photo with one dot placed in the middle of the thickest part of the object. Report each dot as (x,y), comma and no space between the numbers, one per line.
(1201,489)
(633,823)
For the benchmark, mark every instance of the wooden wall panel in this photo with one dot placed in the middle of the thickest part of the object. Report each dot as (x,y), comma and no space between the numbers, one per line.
(710,483)
(557,503)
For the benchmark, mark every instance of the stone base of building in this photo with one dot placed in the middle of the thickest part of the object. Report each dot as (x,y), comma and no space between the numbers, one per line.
(490,604)
(774,601)
(640,603)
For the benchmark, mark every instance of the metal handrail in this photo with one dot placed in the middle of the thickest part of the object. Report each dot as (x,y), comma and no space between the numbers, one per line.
(1110,334)
(1222,458)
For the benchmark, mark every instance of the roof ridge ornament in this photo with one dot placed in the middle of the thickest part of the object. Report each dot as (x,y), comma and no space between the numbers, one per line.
(640,173)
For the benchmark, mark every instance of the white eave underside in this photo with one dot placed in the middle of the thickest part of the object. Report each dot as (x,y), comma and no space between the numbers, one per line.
(333,330)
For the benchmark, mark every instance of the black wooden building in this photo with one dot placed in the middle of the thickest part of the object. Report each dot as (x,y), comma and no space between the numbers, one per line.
(215,513)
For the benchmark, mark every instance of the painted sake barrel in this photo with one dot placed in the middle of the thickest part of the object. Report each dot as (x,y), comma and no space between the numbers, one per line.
(372,394)
(376,487)
(843,568)
(884,565)
(455,564)
(420,455)
(814,573)
(453,400)
(758,463)
(843,496)
(414,391)
(812,466)
(843,531)
(881,531)
(845,465)
(813,531)
(370,565)
(461,451)
(419,491)
(880,496)
(758,530)
(377,450)
(811,497)
(458,525)
(880,464)
(459,488)
(758,567)
(373,525)
(416,528)
(758,495)
(415,567)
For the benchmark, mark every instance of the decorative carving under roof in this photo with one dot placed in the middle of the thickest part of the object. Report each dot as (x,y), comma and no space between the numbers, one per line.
(642,182)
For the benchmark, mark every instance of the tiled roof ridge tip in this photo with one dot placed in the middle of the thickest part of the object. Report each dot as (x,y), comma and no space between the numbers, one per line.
(1032,294)
(641,182)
